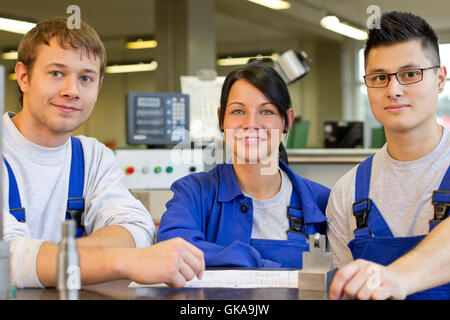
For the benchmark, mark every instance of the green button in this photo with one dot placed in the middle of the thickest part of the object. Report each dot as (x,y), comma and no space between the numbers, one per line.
(169,169)
(157,169)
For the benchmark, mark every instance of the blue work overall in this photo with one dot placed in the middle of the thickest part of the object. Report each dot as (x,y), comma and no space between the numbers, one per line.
(374,240)
(75,201)
(289,252)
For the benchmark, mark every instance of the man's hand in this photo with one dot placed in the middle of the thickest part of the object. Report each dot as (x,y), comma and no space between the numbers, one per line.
(173,262)
(366,280)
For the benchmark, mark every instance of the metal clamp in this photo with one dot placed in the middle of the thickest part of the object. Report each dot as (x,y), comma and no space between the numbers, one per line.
(317,258)
(317,272)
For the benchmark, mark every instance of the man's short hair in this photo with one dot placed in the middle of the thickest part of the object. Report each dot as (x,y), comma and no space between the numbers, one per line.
(85,38)
(397,27)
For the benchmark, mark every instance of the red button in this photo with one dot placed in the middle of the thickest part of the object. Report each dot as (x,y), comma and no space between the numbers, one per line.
(129,170)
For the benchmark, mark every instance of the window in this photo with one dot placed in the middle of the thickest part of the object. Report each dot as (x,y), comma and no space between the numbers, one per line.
(443,109)
(362,102)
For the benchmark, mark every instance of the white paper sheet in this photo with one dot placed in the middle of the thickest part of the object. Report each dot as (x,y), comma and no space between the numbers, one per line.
(238,279)
(204,99)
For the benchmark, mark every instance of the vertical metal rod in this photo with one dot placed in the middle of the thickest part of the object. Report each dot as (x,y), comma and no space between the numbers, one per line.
(69,277)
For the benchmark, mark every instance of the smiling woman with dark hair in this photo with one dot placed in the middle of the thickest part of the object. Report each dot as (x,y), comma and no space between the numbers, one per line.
(255,211)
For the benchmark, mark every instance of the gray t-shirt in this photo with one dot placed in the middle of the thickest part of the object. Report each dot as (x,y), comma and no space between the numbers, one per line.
(42,176)
(401,190)
(269,215)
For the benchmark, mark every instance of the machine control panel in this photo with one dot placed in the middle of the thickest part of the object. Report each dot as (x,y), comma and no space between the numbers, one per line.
(154,118)
(147,169)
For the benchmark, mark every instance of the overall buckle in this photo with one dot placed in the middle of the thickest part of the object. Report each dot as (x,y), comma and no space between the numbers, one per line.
(76,216)
(295,223)
(19,214)
(440,208)
(360,210)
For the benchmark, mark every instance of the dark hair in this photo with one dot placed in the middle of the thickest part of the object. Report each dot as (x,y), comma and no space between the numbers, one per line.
(397,27)
(269,82)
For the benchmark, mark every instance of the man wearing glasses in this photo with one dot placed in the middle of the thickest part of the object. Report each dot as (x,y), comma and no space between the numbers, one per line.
(398,199)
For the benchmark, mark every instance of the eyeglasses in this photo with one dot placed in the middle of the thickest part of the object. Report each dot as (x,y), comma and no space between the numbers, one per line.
(405,77)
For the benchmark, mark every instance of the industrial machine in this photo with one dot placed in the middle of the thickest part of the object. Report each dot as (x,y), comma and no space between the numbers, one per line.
(160,121)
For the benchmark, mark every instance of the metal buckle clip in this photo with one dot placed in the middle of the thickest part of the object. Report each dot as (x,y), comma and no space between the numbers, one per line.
(295,223)
(76,216)
(440,208)
(361,214)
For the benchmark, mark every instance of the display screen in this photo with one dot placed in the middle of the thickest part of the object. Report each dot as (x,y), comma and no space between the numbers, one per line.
(148,102)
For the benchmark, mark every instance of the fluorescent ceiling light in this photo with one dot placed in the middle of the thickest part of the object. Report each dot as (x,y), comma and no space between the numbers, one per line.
(142,44)
(16,26)
(11,55)
(332,23)
(225,62)
(273,4)
(139,67)
(232,61)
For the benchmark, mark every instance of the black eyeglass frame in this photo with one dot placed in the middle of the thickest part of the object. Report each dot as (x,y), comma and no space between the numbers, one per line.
(396,76)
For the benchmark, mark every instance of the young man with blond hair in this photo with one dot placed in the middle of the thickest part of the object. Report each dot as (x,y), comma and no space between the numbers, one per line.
(50,176)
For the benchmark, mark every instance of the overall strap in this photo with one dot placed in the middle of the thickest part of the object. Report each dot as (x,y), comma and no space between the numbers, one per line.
(15,205)
(441,201)
(362,183)
(368,218)
(75,201)
(445,184)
